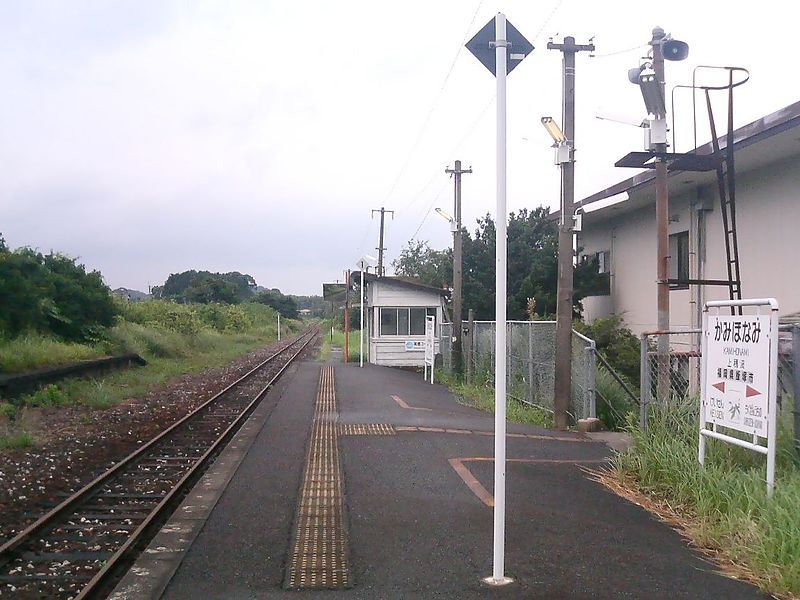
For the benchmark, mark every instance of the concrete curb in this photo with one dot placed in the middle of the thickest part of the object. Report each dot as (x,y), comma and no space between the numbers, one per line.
(155,567)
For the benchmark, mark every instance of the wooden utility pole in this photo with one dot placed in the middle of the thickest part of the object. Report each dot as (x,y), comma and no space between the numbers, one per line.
(381,270)
(563,358)
(457,293)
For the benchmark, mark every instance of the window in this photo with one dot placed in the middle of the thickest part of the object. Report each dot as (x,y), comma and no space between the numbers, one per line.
(404,321)
(388,321)
(603,261)
(679,259)
(417,321)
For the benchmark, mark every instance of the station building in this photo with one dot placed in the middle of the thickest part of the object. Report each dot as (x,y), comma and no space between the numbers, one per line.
(395,312)
(619,229)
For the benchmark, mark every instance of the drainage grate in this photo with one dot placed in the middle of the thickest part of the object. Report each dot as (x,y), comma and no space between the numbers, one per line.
(366,429)
(319,552)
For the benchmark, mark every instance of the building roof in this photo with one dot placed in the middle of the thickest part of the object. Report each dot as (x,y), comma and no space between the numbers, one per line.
(409,282)
(767,140)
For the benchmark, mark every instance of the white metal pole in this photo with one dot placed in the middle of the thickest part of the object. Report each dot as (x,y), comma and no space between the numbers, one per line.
(361,336)
(772,404)
(498,570)
(701,449)
(279,327)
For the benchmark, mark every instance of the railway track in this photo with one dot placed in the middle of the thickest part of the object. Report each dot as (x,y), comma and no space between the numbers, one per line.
(82,545)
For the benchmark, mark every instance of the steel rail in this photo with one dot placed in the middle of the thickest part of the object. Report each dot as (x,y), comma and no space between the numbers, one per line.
(8,551)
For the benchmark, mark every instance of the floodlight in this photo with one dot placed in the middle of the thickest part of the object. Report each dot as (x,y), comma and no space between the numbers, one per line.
(652,93)
(446,216)
(554,130)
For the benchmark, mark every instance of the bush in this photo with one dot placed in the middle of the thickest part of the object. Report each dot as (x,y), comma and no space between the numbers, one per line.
(49,395)
(618,344)
(147,340)
(52,294)
(8,412)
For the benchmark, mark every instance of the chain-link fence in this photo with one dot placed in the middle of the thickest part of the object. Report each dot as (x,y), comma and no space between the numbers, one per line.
(530,362)
(670,372)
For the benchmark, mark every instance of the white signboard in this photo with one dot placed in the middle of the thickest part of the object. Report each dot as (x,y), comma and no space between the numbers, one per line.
(739,377)
(430,341)
(737,372)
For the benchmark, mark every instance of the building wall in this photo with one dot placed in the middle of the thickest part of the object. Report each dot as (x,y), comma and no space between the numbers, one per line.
(391,351)
(768,225)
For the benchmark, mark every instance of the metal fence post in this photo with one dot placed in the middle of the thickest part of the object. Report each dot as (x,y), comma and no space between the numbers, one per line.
(644,371)
(591,366)
(531,395)
(470,345)
(796,381)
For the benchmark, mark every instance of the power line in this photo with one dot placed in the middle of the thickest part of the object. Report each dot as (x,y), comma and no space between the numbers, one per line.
(434,105)
(616,52)
(430,208)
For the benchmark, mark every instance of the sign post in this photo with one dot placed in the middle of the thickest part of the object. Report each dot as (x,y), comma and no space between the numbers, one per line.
(430,344)
(361,266)
(500,48)
(739,378)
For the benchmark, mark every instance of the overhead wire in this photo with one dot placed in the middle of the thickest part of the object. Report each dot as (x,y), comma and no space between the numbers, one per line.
(434,105)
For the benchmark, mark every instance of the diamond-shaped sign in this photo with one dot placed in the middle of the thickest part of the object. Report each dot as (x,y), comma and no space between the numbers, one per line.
(481,45)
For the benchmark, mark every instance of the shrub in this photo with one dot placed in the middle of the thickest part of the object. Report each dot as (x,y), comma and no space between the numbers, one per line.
(8,412)
(617,343)
(52,294)
(49,395)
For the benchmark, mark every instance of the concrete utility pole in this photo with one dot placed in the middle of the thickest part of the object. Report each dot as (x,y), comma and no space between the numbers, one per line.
(381,271)
(457,293)
(563,358)
(662,233)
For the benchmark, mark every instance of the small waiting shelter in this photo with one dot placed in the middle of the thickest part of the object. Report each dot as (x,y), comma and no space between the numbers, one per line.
(395,309)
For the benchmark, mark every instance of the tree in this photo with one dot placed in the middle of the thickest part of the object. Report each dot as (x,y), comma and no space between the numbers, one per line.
(532,266)
(51,294)
(205,287)
(285,305)
(431,267)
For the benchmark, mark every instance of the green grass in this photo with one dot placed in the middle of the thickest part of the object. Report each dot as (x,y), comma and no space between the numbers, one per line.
(613,404)
(36,351)
(174,339)
(338,341)
(480,395)
(725,503)
(14,440)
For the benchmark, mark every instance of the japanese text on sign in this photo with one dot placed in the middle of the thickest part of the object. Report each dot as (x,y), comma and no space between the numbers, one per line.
(737,372)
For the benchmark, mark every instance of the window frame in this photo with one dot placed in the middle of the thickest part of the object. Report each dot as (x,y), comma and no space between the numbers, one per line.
(429,311)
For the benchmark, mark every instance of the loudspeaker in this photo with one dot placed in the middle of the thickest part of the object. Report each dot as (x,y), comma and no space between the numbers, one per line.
(675,50)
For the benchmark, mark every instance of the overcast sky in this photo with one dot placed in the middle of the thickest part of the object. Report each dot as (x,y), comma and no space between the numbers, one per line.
(151,137)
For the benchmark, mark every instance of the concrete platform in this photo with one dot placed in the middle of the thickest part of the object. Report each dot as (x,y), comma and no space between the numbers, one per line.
(418,504)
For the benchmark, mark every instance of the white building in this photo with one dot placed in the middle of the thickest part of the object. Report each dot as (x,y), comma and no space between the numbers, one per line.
(623,234)
(395,312)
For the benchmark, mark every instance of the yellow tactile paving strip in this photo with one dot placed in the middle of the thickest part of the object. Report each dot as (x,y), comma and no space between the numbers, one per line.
(319,557)
(366,429)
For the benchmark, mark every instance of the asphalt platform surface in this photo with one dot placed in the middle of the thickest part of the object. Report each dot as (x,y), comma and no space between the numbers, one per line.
(417,529)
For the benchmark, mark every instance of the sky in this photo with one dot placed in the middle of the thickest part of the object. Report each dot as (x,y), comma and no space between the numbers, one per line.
(148,137)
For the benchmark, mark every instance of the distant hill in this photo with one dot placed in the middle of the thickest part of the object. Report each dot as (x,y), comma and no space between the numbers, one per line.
(132,295)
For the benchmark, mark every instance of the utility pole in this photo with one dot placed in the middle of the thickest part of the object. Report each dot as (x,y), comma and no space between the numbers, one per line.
(457,293)
(566,252)
(381,271)
(662,233)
